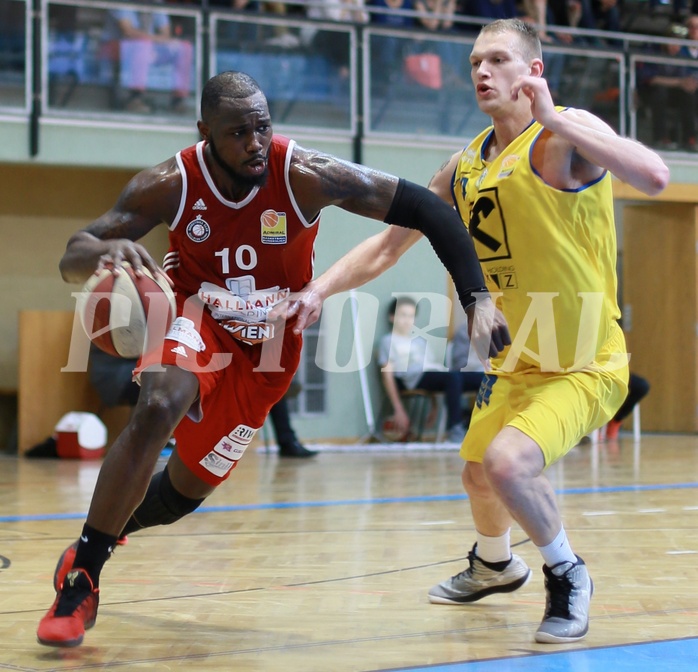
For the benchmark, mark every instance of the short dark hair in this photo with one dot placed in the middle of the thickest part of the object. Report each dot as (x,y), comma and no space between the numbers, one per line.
(230,84)
(528,35)
(400,301)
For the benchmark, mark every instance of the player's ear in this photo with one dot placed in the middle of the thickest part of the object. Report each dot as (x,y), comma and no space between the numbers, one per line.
(537,67)
(203,129)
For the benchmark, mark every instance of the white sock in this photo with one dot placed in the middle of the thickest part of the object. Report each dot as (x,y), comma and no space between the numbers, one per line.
(493,549)
(558,550)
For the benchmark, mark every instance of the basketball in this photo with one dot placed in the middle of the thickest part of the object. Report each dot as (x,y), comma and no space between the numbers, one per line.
(121,314)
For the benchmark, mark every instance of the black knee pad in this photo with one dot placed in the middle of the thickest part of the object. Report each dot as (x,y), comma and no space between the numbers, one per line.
(162,505)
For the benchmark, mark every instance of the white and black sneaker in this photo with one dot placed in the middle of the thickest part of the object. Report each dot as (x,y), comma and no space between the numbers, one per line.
(481,579)
(568,588)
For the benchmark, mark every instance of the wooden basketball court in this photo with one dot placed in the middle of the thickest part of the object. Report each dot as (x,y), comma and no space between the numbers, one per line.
(323,565)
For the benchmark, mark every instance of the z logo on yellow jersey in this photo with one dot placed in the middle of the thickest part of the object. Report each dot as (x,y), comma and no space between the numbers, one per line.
(488,228)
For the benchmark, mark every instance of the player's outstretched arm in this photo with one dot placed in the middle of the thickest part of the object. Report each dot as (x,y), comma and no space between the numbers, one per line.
(361,264)
(319,180)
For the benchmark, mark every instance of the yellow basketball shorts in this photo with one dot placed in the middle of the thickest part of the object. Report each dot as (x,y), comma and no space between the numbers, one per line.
(555,409)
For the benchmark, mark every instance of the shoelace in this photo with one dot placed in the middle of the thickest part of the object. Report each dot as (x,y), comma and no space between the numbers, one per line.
(468,571)
(73,595)
(559,589)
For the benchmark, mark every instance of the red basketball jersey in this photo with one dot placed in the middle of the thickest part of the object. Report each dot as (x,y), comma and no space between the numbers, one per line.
(240,258)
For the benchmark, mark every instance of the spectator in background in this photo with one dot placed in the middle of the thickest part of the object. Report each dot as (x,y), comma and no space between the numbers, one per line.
(334,46)
(487,9)
(387,51)
(138,40)
(668,86)
(230,33)
(408,363)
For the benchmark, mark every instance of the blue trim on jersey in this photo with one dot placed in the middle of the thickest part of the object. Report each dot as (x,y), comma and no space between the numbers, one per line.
(547,184)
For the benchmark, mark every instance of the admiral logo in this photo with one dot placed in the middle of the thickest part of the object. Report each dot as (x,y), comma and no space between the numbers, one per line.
(199,205)
(198,230)
(274,228)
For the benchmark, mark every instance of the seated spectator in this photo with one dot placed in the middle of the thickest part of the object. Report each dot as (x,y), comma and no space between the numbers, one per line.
(386,50)
(334,46)
(230,33)
(138,40)
(407,363)
(638,388)
(665,86)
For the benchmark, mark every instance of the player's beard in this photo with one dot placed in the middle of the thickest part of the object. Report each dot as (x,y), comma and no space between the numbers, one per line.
(248,181)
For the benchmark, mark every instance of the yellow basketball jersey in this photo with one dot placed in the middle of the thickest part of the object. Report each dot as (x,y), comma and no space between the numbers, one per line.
(550,253)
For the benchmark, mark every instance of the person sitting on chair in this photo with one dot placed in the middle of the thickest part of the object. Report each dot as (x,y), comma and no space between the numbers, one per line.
(407,363)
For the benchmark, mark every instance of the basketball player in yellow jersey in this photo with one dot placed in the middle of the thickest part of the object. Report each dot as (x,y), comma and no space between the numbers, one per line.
(534,190)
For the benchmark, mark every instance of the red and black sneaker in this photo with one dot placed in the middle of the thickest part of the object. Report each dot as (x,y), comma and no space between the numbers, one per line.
(74,611)
(65,562)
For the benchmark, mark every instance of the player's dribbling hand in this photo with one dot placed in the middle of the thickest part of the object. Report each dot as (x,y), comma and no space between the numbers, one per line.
(489,332)
(125,250)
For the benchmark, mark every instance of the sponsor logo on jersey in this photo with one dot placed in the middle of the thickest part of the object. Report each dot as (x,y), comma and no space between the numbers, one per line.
(243,434)
(233,446)
(199,205)
(508,165)
(216,464)
(182,330)
(198,230)
(251,334)
(273,226)
(179,350)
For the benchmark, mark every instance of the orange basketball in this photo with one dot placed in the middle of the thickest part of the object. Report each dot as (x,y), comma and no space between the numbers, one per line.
(125,313)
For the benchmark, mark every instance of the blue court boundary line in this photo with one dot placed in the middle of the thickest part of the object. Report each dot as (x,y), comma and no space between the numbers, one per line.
(676,654)
(362,502)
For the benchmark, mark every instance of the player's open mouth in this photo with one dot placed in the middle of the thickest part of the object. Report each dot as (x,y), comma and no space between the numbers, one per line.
(257,165)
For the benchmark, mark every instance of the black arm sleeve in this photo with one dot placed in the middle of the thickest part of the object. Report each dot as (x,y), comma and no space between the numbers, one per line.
(415,207)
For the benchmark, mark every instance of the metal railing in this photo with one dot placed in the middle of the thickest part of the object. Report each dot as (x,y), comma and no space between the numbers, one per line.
(58,58)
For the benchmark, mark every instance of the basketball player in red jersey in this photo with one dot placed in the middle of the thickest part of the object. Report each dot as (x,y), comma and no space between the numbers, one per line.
(242,207)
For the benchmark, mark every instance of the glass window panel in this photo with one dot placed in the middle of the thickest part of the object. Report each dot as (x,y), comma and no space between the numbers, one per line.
(13,78)
(94,67)
(303,71)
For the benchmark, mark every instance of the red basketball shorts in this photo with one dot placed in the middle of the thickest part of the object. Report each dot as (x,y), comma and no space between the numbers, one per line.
(238,385)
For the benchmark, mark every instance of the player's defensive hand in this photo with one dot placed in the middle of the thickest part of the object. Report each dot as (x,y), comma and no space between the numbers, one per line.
(305,305)
(489,332)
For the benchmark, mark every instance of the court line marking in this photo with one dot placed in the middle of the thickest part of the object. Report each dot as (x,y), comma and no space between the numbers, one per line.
(363,502)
